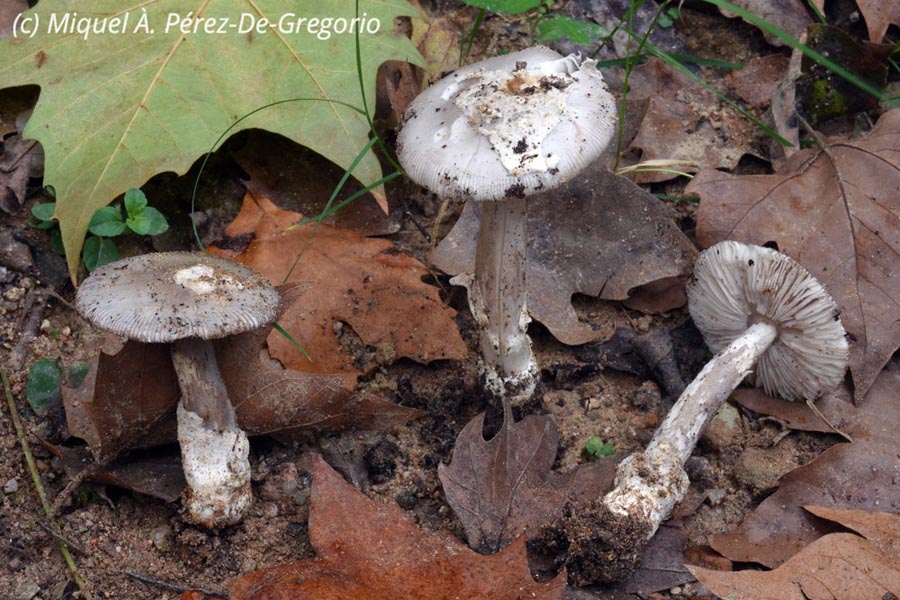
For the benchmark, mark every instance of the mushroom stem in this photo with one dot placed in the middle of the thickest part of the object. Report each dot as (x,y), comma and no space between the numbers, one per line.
(650,484)
(653,494)
(701,400)
(497,298)
(214,450)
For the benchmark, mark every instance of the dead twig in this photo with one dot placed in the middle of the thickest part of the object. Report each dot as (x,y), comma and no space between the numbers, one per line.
(36,478)
(172,586)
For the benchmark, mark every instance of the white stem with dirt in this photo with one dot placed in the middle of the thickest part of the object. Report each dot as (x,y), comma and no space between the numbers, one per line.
(497,298)
(214,450)
(650,484)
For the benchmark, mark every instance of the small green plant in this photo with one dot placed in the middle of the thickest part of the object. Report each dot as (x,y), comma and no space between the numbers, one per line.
(107,223)
(668,16)
(45,376)
(595,446)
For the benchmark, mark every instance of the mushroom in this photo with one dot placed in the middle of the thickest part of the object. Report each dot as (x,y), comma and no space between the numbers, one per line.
(188,299)
(754,306)
(496,132)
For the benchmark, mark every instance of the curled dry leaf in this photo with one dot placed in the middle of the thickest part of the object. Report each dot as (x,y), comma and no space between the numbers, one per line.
(836,211)
(685,122)
(503,487)
(599,235)
(365,549)
(366,283)
(861,476)
(835,567)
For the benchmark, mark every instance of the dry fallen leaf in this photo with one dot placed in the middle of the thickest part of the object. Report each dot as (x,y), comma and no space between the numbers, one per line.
(878,15)
(503,487)
(159,476)
(835,567)
(365,549)
(685,122)
(280,170)
(128,398)
(599,235)
(757,81)
(836,211)
(9,9)
(366,283)
(15,169)
(123,401)
(862,475)
(268,398)
(880,528)
(787,15)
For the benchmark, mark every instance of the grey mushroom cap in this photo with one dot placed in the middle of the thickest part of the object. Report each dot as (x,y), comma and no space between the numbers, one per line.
(510,125)
(167,296)
(735,285)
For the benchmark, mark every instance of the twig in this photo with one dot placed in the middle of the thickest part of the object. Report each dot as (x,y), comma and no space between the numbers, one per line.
(172,586)
(36,478)
(60,538)
(73,484)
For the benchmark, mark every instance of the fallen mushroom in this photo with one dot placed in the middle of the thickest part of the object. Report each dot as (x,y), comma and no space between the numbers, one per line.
(755,307)
(188,299)
(496,132)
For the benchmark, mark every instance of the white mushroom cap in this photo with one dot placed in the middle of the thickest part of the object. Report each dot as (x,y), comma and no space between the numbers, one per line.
(511,125)
(167,296)
(736,285)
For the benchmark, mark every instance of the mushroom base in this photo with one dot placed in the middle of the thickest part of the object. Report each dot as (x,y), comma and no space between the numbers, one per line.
(217,469)
(517,388)
(594,544)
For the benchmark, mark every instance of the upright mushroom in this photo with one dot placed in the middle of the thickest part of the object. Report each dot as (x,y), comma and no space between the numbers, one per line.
(189,299)
(755,307)
(495,132)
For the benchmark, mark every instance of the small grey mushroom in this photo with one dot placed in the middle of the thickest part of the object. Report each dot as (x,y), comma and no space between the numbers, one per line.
(496,132)
(188,299)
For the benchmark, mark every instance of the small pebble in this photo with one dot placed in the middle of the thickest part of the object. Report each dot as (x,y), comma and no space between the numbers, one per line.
(27,590)
(15,294)
(11,486)
(161,537)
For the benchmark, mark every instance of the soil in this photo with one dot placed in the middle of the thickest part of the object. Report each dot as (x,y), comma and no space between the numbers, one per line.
(131,546)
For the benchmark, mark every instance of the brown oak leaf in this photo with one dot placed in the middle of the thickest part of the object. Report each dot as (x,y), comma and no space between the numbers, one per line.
(790,16)
(599,235)
(365,549)
(503,487)
(128,398)
(686,122)
(125,398)
(835,210)
(279,169)
(860,476)
(837,566)
(366,283)
(878,15)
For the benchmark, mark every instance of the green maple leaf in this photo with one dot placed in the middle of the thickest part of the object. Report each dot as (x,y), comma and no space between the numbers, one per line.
(117,108)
